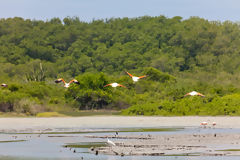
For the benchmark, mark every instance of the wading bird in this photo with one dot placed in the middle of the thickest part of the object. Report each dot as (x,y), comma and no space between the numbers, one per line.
(110,143)
(214,124)
(114,85)
(66,84)
(134,78)
(204,124)
(194,93)
(4,85)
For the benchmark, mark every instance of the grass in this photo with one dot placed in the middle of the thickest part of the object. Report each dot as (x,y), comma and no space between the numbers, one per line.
(112,130)
(90,113)
(151,129)
(13,141)
(12,114)
(64,113)
(184,154)
(50,114)
(229,150)
(85,145)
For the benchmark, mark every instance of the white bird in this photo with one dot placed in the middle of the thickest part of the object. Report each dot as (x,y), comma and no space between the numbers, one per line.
(110,143)
(66,84)
(204,124)
(194,93)
(134,78)
(114,85)
(4,85)
(214,124)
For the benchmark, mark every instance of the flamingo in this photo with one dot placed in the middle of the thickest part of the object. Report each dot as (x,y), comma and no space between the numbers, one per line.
(134,78)
(194,93)
(214,124)
(66,84)
(115,85)
(110,143)
(4,85)
(204,124)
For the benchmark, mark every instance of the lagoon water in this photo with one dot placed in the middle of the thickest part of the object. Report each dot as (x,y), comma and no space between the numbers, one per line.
(51,146)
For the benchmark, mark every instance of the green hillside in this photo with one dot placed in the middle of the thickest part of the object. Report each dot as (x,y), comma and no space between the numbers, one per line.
(178,56)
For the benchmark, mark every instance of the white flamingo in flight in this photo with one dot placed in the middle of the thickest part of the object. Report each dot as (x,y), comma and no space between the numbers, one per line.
(194,93)
(66,84)
(134,78)
(4,85)
(114,85)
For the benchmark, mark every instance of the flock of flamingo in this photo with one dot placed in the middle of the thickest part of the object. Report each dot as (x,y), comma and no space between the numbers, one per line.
(204,124)
(114,84)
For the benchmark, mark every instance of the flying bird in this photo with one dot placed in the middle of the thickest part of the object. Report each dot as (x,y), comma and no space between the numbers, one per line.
(115,85)
(66,84)
(134,78)
(194,93)
(4,85)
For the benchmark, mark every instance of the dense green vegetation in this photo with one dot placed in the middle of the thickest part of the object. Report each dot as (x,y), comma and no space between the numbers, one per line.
(178,56)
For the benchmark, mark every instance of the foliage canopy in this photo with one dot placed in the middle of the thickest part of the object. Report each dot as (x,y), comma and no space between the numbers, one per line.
(178,56)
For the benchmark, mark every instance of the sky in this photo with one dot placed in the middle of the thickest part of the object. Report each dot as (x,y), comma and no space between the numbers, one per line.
(87,10)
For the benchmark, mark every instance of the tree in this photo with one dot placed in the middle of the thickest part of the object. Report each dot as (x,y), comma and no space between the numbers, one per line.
(90,93)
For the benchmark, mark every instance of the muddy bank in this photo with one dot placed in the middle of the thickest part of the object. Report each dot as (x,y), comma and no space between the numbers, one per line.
(218,144)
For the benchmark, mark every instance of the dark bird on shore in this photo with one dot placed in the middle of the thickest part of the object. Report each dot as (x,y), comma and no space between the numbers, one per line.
(92,148)
(96,153)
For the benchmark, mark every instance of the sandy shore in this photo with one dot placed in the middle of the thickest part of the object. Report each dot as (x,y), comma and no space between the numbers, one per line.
(215,144)
(195,143)
(115,122)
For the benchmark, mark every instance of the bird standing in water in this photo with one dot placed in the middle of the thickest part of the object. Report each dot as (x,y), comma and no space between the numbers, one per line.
(110,143)
(204,124)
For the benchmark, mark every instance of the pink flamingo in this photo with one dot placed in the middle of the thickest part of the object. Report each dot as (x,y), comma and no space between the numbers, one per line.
(66,84)
(114,85)
(194,93)
(134,78)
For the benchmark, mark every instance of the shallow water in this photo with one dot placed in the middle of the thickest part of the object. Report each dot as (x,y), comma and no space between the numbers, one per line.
(128,158)
(51,146)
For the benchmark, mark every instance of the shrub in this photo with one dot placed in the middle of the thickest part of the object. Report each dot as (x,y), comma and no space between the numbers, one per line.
(50,114)
(28,106)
